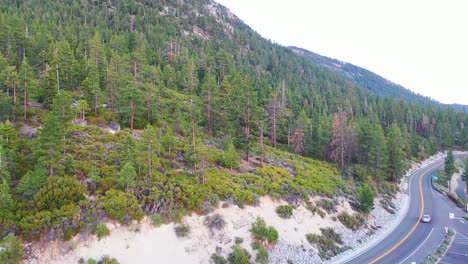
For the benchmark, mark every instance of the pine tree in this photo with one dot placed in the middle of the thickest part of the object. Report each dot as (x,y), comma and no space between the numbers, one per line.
(449,165)
(5,175)
(93,175)
(298,140)
(231,157)
(9,147)
(149,150)
(248,115)
(377,151)
(50,148)
(395,153)
(33,181)
(81,109)
(365,198)
(27,82)
(169,143)
(6,199)
(339,143)
(274,106)
(210,106)
(127,177)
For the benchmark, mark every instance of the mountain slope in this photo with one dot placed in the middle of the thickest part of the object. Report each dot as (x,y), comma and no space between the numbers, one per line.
(365,78)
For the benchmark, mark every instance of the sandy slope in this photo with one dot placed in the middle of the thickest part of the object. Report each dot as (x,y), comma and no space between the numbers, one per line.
(160,245)
(142,243)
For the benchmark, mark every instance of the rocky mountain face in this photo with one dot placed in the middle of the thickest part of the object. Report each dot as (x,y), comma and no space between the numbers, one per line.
(371,81)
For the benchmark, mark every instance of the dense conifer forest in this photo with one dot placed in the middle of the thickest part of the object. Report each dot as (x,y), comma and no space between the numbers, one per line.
(209,112)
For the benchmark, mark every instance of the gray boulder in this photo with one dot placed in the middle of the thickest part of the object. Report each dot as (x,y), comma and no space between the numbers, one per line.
(114,126)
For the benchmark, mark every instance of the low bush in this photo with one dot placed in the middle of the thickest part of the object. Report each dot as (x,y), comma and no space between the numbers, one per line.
(108,260)
(313,238)
(262,232)
(327,205)
(331,234)
(121,206)
(217,259)
(284,211)
(12,251)
(327,242)
(215,221)
(182,230)
(157,220)
(272,234)
(91,261)
(262,255)
(351,222)
(239,256)
(101,230)
(238,240)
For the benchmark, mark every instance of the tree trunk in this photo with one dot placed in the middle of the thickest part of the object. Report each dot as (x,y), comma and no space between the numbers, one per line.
(132,114)
(14,93)
(25,103)
(247,136)
(58,83)
(150,163)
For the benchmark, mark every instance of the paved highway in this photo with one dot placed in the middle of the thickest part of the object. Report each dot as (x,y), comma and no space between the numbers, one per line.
(413,240)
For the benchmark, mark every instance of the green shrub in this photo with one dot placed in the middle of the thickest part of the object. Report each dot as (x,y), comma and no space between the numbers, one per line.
(327,242)
(365,197)
(239,256)
(12,250)
(284,211)
(108,260)
(262,232)
(262,255)
(101,230)
(313,238)
(157,220)
(238,240)
(122,206)
(331,234)
(272,234)
(360,173)
(182,230)
(328,205)
(351,222)
(91,261)
(217,259)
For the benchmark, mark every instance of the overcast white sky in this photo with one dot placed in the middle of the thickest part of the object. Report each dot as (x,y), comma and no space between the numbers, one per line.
(420,44)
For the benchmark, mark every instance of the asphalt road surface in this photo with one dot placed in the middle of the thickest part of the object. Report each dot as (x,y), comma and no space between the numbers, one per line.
(412,241)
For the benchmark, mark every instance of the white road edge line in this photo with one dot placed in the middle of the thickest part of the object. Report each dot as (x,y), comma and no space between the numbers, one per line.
(419,246)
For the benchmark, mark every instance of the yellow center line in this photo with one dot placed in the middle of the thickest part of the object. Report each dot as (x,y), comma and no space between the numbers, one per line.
(415,225)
